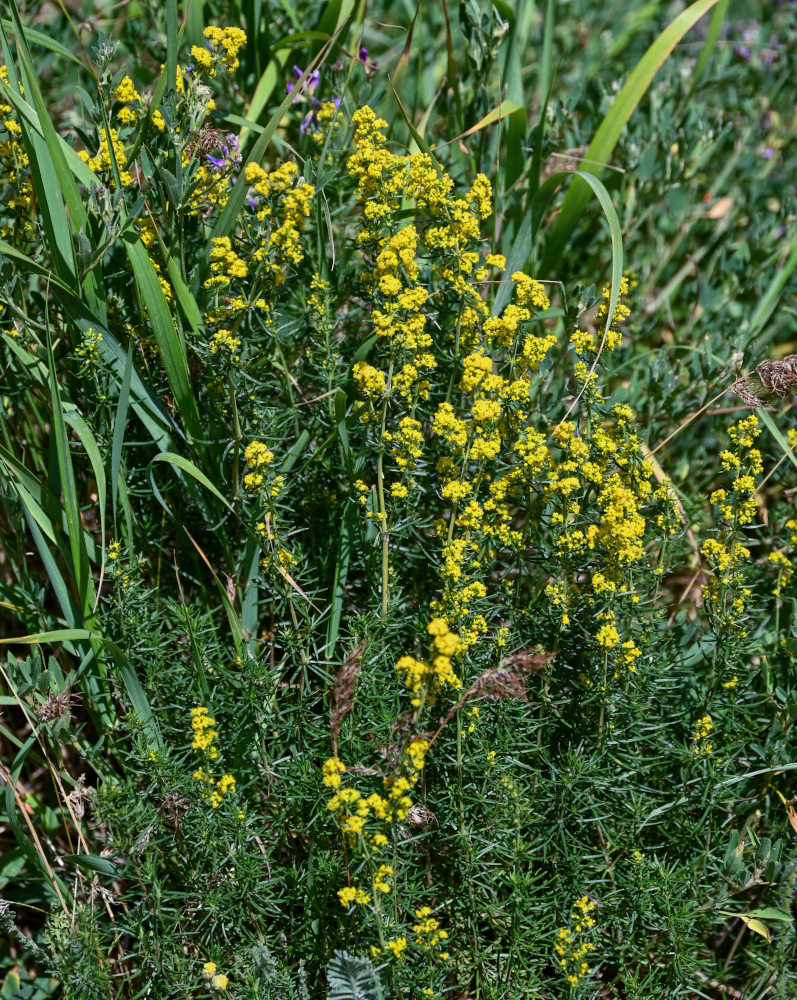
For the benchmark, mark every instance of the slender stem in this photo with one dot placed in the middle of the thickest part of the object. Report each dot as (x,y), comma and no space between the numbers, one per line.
(459,775)
(603,702)
(380,488)
(236,455)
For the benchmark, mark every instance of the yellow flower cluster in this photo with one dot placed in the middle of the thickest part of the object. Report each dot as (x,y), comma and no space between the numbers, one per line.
(725,594)
(365,819)
(206,741)
(744,462)
(205,735)
(379,173)
(429,935)
(225,344)
(14,167)
(397,946)
(426,680)
(700,744)
(127,94)
(224,263)
(225,46)
(370,381)
(585,342)
(785,568)
(328,119)
(332,770)
(407,444)
(354,810)
(258,458)
(350,895)
(282,203)
(216,979)
(101,162)
(572,944)
(88,350)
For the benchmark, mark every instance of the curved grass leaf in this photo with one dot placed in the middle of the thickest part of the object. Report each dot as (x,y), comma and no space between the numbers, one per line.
(712,36)
(93,863)
(605,139)
(192,470)
(148,407)
(135,692)
(40,38)
(523,243)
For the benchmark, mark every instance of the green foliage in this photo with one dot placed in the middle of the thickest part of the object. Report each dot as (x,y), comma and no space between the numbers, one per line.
(382,619)
(351,978)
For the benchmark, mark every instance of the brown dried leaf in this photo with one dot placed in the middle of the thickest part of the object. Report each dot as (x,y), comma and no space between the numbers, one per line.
(421,817)
(720,207)
(527,660)
(773,379)
(367,772)
(57,706)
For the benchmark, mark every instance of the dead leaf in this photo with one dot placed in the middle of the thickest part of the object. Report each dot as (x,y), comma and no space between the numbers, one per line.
(720,208)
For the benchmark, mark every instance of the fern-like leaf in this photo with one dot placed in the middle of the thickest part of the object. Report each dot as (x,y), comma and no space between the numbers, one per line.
(352,978)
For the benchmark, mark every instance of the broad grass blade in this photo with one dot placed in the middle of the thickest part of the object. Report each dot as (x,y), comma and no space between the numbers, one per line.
(605,139)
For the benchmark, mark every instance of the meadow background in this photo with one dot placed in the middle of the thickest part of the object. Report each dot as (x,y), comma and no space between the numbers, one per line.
(397,483)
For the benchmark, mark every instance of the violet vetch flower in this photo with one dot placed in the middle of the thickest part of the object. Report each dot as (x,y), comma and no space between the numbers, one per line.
(312,81)
(230,154)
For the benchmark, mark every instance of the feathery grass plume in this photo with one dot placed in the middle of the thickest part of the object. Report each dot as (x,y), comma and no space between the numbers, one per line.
(506,681)
(342,693)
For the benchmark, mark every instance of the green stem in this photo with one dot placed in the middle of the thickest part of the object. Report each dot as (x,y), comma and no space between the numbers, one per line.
(380,488)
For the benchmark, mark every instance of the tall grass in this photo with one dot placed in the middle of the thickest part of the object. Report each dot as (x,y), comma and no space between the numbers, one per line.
(397,519)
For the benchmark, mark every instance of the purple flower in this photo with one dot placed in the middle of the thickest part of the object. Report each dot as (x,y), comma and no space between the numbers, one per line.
(312,80)
(363,54)
(309,120)
(768,153)
(230,154)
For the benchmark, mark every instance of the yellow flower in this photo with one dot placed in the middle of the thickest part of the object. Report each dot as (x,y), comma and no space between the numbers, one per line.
(332,770)
(397,946)
(126,92)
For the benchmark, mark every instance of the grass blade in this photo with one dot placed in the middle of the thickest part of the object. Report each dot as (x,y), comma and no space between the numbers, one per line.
(68,486)
(770,298)
(170,347)
(40,38)
(772,427)
(605,139)
(712,35)
(119,427)
(192,470)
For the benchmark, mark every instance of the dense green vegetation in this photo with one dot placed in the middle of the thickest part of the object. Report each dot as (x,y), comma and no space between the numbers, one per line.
(397,476)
